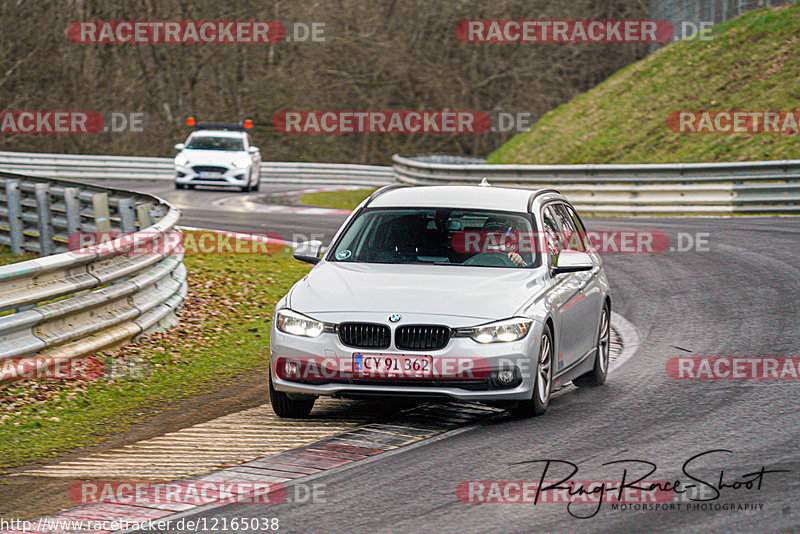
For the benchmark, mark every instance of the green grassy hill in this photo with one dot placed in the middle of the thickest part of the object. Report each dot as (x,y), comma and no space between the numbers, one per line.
(751,64)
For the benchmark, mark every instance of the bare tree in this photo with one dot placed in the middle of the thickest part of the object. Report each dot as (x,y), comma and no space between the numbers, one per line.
(378,55)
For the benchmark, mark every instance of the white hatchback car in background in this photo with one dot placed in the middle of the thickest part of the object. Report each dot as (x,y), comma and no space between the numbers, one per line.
(218,155)
(456,292)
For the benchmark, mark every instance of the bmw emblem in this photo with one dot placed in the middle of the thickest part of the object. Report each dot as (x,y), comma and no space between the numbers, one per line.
(395,318)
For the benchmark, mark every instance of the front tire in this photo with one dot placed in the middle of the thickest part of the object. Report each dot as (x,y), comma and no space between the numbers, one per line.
(286,407)
(597,376)
(543,382)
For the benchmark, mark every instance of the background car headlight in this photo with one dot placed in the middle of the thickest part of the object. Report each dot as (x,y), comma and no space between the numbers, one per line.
(299,325)
(499,332)
(180,161)
(242,163)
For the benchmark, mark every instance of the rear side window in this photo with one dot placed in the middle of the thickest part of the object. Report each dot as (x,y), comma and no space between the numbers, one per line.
(579,224)
(552,234)
(572,238)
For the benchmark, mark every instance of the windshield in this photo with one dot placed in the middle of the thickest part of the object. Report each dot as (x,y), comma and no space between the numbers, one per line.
(441,236)
(215,143)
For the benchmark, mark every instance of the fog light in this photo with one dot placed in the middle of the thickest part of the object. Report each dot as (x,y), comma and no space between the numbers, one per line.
(290,368)
(506,376)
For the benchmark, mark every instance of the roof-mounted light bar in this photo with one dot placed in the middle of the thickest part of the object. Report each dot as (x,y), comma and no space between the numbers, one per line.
(246,124)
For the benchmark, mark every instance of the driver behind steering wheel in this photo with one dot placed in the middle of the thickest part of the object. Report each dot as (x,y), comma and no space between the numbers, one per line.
(505,239)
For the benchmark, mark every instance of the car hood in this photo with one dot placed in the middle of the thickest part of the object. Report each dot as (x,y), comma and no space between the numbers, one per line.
(200,157)
(476,292)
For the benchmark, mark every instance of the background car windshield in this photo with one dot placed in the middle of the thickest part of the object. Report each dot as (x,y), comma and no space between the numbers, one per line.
(215,143)
(438,236)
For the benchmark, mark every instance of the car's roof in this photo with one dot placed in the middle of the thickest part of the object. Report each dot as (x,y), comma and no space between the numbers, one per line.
(455,196)
(217,133)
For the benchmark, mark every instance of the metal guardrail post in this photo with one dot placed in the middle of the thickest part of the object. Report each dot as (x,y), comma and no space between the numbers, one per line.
(102,220)
(127,214)
(46,246)
(14,199)
(143,215)
(73,208)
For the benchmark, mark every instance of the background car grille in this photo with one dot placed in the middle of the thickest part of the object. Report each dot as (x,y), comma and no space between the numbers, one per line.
(365,335)
(421,337)
(209,168)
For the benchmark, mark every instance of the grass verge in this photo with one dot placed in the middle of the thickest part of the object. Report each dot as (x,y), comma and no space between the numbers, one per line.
(223,332)
(6,258)
(752,63)
(340,200)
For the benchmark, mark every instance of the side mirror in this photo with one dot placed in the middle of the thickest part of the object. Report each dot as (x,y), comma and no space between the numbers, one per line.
(180,146)
(309,251)
(570,261)
(253,149)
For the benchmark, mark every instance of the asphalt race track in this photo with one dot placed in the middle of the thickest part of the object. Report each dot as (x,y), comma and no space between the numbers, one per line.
(737,299)
(198,210)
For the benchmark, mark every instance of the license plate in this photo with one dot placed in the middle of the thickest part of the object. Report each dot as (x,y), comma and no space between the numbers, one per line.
(391,365)
(210,174)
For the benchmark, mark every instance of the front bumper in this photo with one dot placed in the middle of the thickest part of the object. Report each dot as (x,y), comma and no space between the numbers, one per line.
(232,176)
(327,352)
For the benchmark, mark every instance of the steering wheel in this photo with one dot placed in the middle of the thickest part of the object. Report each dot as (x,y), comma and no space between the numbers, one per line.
(485,259)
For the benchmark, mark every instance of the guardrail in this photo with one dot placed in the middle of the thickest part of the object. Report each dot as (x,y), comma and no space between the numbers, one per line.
(79,166)
(753,188)
(60,307)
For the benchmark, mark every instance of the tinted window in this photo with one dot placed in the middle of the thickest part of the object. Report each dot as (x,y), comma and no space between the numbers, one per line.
(552,233)
(215,143)
(572,239)
(579,224)
(437,236)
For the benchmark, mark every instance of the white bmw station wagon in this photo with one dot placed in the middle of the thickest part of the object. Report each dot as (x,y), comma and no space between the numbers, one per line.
(458,292)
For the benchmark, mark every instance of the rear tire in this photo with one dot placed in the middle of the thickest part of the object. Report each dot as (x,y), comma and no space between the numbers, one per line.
(543,382)
(286,407)
(180,186)
(597,376)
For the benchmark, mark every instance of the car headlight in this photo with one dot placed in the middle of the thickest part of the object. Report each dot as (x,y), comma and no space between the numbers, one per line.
(298,324)
(180,161)
(498,332)
(242,163)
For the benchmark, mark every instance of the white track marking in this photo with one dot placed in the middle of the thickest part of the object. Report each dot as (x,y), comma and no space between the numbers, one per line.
(628,338)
